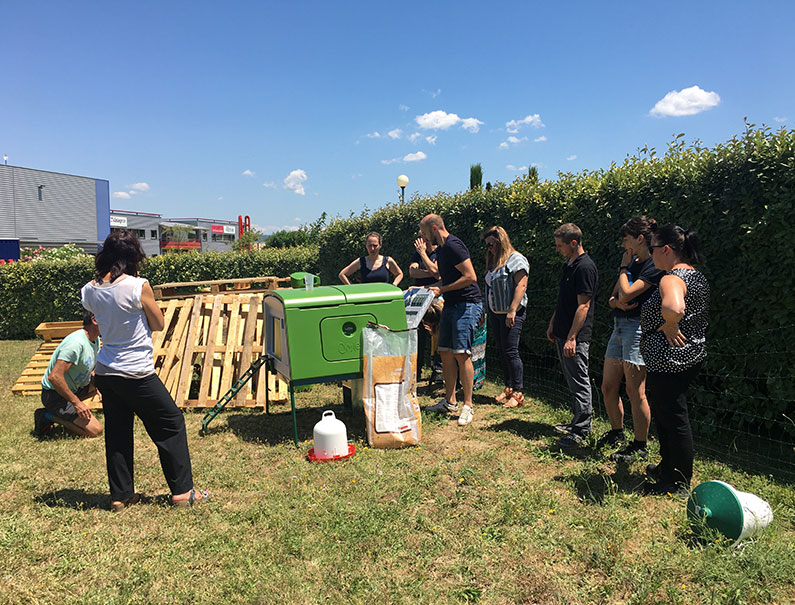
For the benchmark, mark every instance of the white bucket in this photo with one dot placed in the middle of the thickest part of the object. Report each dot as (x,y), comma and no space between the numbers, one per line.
(330,437)
(737,515)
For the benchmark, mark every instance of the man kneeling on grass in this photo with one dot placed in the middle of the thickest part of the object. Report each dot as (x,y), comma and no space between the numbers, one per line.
(67,381)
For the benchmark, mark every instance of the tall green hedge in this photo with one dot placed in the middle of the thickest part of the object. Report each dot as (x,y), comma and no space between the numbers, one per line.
(31,293)
(739,196)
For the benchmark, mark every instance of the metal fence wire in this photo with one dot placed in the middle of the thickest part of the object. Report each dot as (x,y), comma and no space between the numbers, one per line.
(724,401)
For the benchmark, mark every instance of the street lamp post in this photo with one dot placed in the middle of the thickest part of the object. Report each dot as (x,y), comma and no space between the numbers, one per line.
(402,181)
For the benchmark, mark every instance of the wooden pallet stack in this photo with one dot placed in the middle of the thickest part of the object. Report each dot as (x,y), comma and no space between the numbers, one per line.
(207,343)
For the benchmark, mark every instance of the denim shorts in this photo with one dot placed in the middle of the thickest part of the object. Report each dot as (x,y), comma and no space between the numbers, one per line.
(457,326)
(624,342)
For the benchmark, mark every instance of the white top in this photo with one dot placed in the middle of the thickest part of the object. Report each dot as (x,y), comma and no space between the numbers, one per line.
(126,337)
(500,284)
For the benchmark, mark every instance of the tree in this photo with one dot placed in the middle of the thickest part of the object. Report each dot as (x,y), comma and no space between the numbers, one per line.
(532,174)
(475,176)
(488,185)
(179,234)
(244,241)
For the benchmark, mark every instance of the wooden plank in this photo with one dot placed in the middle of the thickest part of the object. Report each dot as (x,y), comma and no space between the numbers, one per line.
(183,386)
(159,337)
(231,346)
(170,369)
(248,341)
(209,352)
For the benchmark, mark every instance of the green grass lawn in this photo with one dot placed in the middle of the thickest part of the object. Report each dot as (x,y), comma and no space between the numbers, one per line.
(485,514)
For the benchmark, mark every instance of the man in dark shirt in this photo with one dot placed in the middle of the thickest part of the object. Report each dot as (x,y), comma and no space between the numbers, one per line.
(460,317)
(424,257)
(570,329)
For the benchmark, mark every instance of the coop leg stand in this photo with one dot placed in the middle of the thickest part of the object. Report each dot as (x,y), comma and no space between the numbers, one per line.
(295,420)
(239,384)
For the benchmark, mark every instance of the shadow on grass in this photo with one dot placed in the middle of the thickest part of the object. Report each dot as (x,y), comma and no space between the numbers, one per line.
(77,499)
(524,428)
(594,486)
(277,427)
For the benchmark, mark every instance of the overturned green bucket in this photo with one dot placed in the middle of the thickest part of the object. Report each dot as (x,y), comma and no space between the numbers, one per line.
(735,514)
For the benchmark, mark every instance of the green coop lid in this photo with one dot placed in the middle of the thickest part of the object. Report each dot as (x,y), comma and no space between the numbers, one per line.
(322,296)
(367,293)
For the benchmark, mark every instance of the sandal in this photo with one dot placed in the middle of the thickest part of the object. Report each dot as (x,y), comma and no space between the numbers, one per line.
(196,497)
(118,505)
(504,396)
(516,401)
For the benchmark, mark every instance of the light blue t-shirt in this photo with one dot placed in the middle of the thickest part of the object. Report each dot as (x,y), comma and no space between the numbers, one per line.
(501,285)
(78,350)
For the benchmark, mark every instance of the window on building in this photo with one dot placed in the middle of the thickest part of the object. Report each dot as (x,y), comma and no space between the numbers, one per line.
(139,233)
(204,236)
(153,234)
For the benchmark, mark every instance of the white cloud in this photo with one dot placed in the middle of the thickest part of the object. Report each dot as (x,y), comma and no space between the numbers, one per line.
(356,175)
(297,219)
(220,197)
(433,93)
(122,194)
(395,134)
(139,187)
(441,120)
(414,137)
(533,120)
(431,139)
(540,139)
(511,140)
(780,120)
(571,157)
(414,157)
(247,172)
(402,107)
(392,161)
(685,102)
(295,181)
(268,229)
(512,167)
(471,124)
(374,135)
(269,185)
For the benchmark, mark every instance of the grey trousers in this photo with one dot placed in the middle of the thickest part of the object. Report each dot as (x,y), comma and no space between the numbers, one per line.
(575,369)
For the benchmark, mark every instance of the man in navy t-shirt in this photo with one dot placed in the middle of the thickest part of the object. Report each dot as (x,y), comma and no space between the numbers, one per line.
(570,328)
(460,317)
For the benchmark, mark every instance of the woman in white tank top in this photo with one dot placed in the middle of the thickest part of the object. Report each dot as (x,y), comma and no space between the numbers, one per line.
(127,313)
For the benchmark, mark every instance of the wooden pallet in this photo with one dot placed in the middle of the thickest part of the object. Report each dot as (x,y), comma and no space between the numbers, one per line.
(218,286)
(207,343)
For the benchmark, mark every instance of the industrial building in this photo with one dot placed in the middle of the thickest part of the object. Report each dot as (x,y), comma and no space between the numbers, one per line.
(50,209)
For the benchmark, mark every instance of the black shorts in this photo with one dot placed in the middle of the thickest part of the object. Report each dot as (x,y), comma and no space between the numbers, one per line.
(60,407)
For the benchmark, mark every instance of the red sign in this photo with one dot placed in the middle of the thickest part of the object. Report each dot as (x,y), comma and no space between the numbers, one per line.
(172,245)
(217,228)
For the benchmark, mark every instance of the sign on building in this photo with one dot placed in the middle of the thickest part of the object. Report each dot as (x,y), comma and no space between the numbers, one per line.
(118,221)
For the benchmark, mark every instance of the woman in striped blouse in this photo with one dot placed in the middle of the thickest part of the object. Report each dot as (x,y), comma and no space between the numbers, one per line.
(506,285)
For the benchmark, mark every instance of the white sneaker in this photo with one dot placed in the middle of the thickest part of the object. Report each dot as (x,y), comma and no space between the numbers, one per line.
(466,415)
(443,407)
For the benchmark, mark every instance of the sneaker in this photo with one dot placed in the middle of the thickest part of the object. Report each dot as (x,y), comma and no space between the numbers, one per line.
(41,426)
(634,451)
(653,471)
(570,440)
(443,407)
(563,428)
(466,415)
(612,438)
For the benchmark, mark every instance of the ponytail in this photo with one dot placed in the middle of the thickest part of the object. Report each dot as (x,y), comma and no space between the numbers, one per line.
(685,244)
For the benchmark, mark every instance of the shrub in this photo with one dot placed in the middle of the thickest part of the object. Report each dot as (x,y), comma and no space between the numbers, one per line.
(49,290)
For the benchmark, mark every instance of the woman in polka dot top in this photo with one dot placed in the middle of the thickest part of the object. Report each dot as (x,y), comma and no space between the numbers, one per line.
(674,324)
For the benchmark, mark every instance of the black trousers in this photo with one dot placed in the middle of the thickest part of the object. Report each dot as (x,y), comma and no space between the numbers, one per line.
(508,346)
(667,395)
(147,398)
(424,345)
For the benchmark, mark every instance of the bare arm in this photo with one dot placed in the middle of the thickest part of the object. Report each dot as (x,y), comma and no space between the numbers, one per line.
(520,279)
(672,292)
(154,316)
(431,268)
(348,271)
(627,291)
(57,378)
(583,305)
(395,270)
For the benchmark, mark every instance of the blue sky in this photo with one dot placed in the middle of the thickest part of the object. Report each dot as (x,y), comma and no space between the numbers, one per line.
(285,110)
